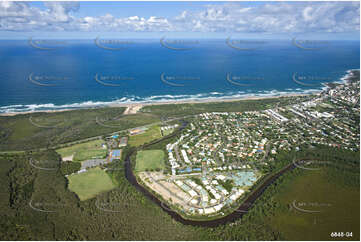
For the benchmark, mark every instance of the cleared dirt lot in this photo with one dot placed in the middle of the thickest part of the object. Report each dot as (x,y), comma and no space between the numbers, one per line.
(168,190)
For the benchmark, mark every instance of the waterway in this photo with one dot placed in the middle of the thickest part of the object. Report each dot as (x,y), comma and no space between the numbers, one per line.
(232,217)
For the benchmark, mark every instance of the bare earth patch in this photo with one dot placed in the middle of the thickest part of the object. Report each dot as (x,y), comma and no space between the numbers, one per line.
(168,190)
(132,109)
(68,158)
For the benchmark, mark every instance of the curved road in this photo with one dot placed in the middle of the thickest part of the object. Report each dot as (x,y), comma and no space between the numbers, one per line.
(245,206)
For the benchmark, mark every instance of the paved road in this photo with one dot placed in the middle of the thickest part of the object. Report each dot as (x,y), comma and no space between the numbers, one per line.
(245,206)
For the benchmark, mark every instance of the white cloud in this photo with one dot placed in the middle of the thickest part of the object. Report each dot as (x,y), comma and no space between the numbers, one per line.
(281,17)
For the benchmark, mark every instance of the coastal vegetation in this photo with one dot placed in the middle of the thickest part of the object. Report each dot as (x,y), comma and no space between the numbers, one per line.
(25,132)
(42,130)
(68,167)
(179,110)
(268,219)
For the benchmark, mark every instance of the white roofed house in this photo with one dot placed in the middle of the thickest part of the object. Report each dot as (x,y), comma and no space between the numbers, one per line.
(192,193)
(209,210)
(220,177)
(218,207)
(185,157)
(224,191)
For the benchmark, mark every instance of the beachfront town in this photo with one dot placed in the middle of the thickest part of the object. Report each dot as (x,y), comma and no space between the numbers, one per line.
(219,156)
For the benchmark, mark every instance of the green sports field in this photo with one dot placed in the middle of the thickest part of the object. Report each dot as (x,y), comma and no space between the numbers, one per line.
(84,151)
(149,160)
(89,154)
(90,183)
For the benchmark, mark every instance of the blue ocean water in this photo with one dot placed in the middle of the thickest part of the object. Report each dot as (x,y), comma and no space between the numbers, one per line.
(79,73)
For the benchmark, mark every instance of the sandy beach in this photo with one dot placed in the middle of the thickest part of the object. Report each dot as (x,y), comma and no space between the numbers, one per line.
(133,108)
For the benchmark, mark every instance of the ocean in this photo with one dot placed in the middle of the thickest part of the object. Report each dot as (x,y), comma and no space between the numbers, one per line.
(38,75)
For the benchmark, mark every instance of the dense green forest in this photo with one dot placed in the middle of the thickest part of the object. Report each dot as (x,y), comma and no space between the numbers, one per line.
(36,204)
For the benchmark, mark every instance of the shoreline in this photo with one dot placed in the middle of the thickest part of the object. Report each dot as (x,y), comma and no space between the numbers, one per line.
(132,108)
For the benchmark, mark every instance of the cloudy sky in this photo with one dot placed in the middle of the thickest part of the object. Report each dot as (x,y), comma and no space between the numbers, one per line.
(77,19)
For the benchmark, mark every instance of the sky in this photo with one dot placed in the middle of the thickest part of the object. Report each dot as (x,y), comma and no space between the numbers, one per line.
(321,20)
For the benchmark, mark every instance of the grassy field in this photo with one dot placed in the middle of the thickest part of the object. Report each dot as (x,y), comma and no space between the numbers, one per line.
(339,208)
(88,184)
(41,130)
(90,154)
(151,134)
(149,160)
(84,151)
